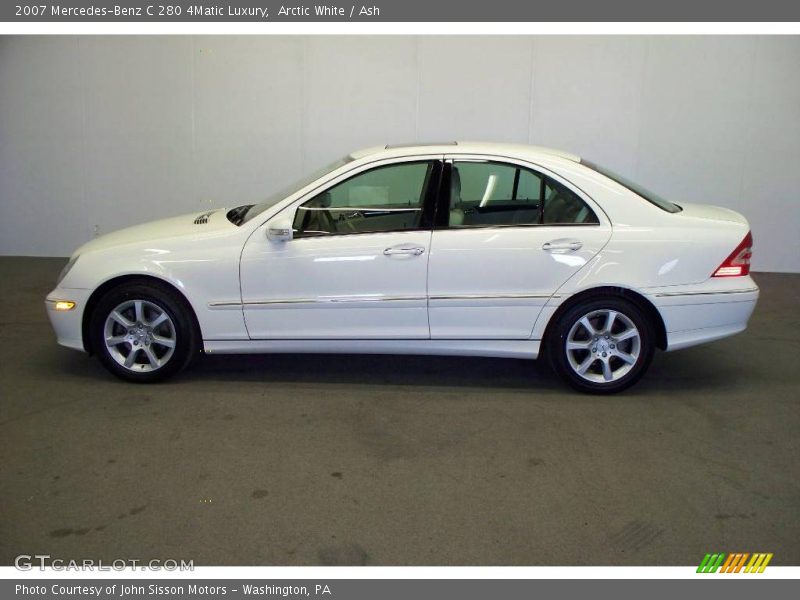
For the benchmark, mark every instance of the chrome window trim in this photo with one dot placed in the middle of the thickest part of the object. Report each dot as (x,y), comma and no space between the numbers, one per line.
(359,209)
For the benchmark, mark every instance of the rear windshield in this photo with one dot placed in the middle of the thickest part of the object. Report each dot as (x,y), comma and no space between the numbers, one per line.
(651,197)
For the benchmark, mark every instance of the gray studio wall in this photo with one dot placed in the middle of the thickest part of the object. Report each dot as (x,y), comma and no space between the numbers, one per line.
(101,132)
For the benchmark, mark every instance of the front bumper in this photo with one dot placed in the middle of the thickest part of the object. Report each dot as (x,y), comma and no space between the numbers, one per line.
(68,324)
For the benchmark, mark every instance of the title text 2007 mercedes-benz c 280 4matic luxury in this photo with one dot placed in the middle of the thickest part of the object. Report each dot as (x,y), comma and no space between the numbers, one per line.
(458,248)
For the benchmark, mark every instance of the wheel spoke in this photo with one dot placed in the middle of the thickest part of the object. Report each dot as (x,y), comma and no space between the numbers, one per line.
(117,316)
(139,309)
(159,320)
(129,360)
(626,335)
(628,358)
(578,345)
(584,366)
(151,356)
(116,340)
(612,316)
(588,325)
(607,374)
(163,341)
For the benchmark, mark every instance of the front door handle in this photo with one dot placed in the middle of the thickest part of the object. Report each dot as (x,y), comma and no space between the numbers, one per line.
(409,249)
(562,245)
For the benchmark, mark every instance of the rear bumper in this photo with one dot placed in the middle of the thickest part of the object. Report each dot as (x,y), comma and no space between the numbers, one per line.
(706,313)
(68,324)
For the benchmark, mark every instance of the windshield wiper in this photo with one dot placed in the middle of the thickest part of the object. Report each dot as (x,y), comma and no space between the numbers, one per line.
(236,215)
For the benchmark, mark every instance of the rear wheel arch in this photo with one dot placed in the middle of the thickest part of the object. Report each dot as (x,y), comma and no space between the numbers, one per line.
(647,307)
(115,282)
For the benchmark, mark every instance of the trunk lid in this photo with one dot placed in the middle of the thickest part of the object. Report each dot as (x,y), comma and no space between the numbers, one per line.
(711,213)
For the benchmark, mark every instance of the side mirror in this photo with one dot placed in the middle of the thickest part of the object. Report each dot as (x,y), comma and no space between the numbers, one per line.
(279,230)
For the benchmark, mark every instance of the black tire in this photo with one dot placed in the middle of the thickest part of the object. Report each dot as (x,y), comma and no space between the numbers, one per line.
(624,374)
(180,329)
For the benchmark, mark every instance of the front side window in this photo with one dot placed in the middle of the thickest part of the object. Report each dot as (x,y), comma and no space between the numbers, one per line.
(488,194)
(388,198)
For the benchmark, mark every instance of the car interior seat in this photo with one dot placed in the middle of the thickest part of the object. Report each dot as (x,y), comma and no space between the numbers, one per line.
(456,212)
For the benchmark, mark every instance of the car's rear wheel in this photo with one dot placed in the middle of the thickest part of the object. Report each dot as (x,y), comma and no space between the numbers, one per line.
(143,332)
(601,345)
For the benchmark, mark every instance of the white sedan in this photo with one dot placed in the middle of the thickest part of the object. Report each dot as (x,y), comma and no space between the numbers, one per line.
(453,249)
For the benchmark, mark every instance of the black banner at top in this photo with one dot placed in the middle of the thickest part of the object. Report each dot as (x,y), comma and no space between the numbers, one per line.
(399,11)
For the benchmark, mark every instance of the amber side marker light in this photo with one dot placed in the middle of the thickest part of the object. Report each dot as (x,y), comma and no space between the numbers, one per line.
(65,305)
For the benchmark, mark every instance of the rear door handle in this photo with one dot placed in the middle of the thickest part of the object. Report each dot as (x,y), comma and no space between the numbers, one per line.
(562,245)
(408,249)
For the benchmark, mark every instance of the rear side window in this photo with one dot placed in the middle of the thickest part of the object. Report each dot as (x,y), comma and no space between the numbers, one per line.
(490,194)
(637,189)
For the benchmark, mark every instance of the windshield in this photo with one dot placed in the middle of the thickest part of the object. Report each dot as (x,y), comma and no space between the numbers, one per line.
(651,197)
(257,209)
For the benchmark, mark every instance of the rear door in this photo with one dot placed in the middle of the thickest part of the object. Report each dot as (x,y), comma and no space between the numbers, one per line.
(507,236)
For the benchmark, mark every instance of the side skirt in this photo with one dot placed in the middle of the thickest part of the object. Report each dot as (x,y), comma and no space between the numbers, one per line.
(497,348)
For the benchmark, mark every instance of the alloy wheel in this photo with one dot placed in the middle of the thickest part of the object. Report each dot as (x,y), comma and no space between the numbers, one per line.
(603,346)
(139,335)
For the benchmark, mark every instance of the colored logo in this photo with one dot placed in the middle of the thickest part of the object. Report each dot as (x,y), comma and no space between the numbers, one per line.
(735,562)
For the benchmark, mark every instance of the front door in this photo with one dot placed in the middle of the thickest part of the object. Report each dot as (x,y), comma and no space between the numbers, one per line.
(506,238)
(357,265)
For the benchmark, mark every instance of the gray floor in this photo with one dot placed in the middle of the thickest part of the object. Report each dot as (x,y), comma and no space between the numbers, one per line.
(398,460)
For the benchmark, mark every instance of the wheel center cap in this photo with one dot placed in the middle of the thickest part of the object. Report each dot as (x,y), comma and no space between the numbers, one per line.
(602,346)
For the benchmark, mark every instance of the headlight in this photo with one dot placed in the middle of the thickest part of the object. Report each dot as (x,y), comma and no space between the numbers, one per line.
(66,269)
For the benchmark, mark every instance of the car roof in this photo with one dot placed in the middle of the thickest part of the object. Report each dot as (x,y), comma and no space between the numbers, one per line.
(496,148)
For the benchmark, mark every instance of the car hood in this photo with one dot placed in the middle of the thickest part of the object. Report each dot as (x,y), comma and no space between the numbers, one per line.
(199,225)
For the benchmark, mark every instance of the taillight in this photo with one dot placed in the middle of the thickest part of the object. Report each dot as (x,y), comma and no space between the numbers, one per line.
(738,263)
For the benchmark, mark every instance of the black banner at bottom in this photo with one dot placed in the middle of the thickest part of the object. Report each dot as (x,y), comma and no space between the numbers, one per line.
(397,589)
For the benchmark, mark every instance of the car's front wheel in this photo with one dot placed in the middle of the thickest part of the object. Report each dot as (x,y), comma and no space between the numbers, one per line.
(601,345)
(142,332)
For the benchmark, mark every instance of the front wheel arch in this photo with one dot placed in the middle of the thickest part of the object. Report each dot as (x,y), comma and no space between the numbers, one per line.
(109,285)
